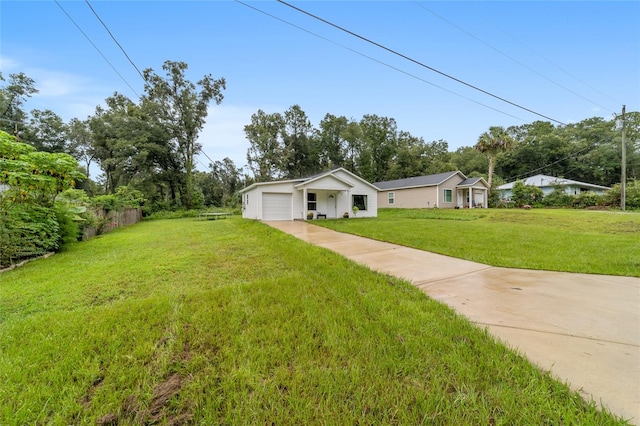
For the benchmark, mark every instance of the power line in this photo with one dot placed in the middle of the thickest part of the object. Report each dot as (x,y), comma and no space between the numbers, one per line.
(510,57)
(378,61)
(114,39)
(96,47)
(551,62)
(417,62)
(550,164)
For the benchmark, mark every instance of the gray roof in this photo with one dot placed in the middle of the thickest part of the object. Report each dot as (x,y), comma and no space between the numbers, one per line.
(542,181)
(412,182)
(469,181)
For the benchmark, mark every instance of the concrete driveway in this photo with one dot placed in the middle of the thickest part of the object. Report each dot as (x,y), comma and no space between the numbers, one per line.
(583,328)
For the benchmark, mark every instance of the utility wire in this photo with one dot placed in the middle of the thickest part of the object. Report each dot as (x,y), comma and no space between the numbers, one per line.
(552,63)
(114,39)
(96,47)
(510,57)
(121,48)
(378,61)
(417,62)
(550,164)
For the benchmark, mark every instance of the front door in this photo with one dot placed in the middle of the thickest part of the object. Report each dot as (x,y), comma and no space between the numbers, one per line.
(331,206)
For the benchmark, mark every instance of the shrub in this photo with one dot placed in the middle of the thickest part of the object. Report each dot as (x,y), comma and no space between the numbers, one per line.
(558,198)
(586,199)
(522,194)
(613,196)
(68,224)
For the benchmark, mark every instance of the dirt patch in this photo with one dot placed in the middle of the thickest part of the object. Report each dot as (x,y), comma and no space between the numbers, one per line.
(107,420)
(85,401)
(162,394)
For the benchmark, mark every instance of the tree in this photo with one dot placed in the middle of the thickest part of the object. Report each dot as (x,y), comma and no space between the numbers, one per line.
(80,142)
(182,108)
(266,150)
(493,142)
(46,132)
(299,153)
(12,97)
(469,161)
(332,142)
(378,147)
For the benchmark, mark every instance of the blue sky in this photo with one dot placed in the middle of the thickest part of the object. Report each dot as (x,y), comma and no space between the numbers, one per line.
(567,60)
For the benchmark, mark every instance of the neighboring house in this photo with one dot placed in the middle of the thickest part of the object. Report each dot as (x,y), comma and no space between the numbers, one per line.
(548,183)
(442,190)
(330,193)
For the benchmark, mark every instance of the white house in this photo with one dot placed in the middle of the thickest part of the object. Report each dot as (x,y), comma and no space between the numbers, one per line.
(548,183)
(442,190)
(329,194)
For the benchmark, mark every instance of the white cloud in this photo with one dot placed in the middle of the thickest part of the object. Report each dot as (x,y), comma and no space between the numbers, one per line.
(8,65)
(223,134)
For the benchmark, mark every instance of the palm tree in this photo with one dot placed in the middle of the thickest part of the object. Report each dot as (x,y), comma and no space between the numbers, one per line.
(493,142)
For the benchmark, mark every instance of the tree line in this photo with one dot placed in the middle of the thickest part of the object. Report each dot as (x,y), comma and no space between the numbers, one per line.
(287,145)
(151,144)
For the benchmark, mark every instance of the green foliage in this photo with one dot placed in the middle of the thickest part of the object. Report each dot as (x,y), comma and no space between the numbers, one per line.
(613,196)
(108,202)
(69,230)
(558,198)
(129,197)
(27,230)
(523,195)
(31,222)
(586,199)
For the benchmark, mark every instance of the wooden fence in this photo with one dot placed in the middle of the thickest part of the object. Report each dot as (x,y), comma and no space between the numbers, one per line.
(112,220)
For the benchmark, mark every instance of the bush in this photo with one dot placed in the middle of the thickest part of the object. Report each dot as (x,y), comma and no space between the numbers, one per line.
(613,196)
(27,230)
(586,199)
(522,194)
(558,198)
(68,225)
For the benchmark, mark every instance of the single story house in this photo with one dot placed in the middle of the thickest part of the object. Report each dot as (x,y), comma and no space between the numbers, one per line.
(329,194)
(548,183)
(442,190)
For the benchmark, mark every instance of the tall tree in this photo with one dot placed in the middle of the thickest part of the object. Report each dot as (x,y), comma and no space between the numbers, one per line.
(12,98)
(182,109)
(81,142)
(300,153)
(266,149)
(46,132)
(331,141)
(493,142)
(379,146)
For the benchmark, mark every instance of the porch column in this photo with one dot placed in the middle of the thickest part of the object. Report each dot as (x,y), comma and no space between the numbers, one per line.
(304,203)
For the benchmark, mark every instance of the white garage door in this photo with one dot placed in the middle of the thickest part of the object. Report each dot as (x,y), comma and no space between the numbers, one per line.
(276,206)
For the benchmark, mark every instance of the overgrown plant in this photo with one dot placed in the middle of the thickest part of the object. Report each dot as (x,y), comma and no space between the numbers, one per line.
(30,182)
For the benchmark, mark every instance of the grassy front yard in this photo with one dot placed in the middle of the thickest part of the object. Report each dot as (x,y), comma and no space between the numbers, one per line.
(594,242)
(233,322)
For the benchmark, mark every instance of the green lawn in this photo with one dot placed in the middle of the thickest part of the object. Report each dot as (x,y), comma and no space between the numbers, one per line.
(233,322)
(595,242)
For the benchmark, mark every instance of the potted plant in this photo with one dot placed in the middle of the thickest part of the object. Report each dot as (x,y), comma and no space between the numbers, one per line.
(309,215)
(355,210)
(345,215)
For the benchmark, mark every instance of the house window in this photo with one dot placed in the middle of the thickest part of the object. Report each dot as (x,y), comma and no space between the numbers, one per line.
(448,196)
(392,198)
(359,201)
(311,201)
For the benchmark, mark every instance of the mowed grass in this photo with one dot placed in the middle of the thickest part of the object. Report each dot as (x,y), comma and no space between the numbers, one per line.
(233,322)
(595,242)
